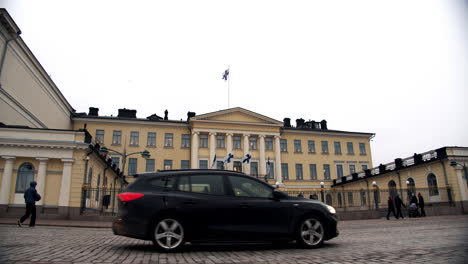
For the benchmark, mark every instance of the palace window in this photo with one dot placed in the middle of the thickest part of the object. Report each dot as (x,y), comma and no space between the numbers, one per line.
(168,164)
(271,170)
(311,145)
(185,164)
(432,184)
(268,143)
(284,171)
(362,148)
(99,136)
(352,168)
(149,164)
(337,147)
(134,138)
(339,171)
(364,167)
(325,147)
(326,171)
(299,174)
(116,161)
(203,164)
(253,143)
(350,148)
(284,145)
(169,141)
(116,137)
(151,139)
(297,146)
(220,142)
(25,176)
(132,166)
(237,142)
(204,141)
(185,141)
(313,171)
(254,168)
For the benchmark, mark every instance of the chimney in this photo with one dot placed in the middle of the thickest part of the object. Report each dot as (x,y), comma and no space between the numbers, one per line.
(382,168)
(299,122)
(287,122)
(398,163)
(323,124)
(165,115)
(190,115)
(127,113)
(417,158)
(93,111)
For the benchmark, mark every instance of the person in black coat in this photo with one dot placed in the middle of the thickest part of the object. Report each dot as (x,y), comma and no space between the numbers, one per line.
(398,204)
(391,208)
(30,197)
(421,204)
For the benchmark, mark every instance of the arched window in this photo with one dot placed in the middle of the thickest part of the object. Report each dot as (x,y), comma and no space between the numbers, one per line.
(340,200)
(411,187)
(392,190)
(329,199)
(363,197)
(25,176)
(432,184)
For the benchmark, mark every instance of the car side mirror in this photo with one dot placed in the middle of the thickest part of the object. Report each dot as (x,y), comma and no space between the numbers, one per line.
(278,195)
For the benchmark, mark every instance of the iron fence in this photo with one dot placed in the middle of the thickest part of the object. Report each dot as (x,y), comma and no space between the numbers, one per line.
(99,200)
(375,198)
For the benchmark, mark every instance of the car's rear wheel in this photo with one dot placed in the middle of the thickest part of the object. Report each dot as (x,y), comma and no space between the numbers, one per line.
(168,234)
(311,232)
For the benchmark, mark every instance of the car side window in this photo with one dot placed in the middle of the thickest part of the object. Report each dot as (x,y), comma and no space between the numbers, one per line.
(162,182)
(208,184)
(245,187)
(184,184)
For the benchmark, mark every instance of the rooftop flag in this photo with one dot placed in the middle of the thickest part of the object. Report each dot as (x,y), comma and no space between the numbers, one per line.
(226,74)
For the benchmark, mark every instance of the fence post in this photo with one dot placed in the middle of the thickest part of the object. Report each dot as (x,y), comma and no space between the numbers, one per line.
(83,199)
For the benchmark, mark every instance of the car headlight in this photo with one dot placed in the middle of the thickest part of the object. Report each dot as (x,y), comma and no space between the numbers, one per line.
(331,209)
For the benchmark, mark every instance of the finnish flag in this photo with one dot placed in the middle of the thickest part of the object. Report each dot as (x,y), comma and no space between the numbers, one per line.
(246,158)
(228,158)
(214,162)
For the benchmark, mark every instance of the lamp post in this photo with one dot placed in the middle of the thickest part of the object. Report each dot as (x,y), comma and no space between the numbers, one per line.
(321,191)
(144,154)
(376,197)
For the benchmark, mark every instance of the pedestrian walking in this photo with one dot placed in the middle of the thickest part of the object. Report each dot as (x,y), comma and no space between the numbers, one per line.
(421,204)
(398,204)
(30,197)
(413,212)
(391,208)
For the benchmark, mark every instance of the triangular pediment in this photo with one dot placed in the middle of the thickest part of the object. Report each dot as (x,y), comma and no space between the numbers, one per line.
(237,115)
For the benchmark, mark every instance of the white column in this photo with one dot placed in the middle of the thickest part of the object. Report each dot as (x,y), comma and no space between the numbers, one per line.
(64,197)
(278,172)
(462,183)
(194,149)
(41,178)
(246,166)
(262,164)
(212,148)
(6,180)
(230,166)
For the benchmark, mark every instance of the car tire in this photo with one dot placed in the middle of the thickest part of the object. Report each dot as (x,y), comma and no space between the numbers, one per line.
(168,234)
(310,233)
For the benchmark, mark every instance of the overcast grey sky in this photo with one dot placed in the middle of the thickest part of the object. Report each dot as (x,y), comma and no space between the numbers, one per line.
(395,68)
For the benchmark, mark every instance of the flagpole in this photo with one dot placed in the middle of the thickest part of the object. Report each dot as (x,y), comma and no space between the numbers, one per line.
(229,86)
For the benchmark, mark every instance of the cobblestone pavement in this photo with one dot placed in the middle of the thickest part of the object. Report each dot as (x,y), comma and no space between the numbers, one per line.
(442,239)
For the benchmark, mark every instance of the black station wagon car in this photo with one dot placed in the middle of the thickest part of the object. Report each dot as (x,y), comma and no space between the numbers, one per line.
(174,207)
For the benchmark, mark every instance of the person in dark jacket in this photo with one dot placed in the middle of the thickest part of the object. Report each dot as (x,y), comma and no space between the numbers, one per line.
(421,204)
(398,204)
(30,197)
(391,208)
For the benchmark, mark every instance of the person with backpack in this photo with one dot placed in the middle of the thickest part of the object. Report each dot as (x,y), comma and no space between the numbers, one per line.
(30,197)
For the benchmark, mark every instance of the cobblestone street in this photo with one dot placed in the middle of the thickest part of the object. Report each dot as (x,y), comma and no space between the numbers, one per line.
(442,239)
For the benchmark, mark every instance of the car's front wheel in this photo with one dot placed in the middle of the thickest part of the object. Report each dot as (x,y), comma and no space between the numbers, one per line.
(311,232)
(168,234)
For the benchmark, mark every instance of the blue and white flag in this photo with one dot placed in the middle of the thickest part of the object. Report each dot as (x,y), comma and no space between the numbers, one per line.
(228,158)
(246,158)
(214,162)
(268,166)
(226,74)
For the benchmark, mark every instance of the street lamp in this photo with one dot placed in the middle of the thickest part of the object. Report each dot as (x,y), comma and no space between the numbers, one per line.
(376,195)
(321,191)
(144,154)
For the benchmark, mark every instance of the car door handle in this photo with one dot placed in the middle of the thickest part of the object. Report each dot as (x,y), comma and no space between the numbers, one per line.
(190,202)
(244,205)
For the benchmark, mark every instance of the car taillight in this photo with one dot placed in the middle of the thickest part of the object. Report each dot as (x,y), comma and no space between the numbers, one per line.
(128,196)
